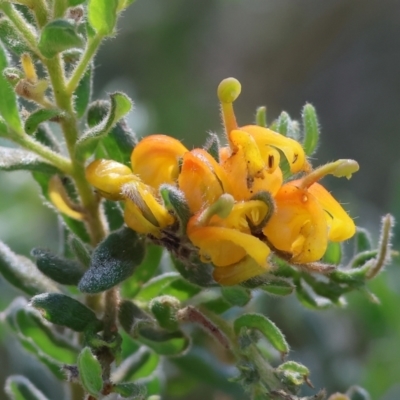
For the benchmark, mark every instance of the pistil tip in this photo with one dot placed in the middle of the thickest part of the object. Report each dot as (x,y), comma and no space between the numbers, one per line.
(229,90)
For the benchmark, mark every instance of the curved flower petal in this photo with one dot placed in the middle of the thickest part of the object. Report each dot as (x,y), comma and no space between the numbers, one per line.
(241,271)
(298,226)
(226,246)
(155,159)
(201,179)
(341,226)
(244,185)
(292,149)
(243,213)
(143,197)
(135,220)
(108,176)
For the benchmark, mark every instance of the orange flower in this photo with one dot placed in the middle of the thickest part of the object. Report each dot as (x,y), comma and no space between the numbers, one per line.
(307,216)
(202,179)
(143,211)
(155,159)
(218,233)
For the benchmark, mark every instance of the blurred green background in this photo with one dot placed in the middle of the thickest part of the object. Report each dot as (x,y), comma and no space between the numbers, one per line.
(343,56)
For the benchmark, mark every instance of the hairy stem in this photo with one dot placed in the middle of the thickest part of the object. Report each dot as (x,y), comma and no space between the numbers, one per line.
(62,163)
(80,69)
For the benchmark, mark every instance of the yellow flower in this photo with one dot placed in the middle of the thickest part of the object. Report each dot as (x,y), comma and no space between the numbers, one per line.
(155,159)
(108,176)
(252,163)
(307,216)
(202,179)
(236,255)
(143,211)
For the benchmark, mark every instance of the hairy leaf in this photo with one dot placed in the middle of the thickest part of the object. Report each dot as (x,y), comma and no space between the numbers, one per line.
(102,15)
(36,118)
(65,311)
(57,36)
(266,327)
(120,106)
(17,159)
(113,261)
(8,100)
(60,270)
(22,273)
(90,372)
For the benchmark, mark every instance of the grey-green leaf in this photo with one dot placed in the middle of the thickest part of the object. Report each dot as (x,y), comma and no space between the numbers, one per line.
(10,37)
(8,100)
(36,118)
(120,106)
(65,311)
(311,129)
(57,36)
(266,327)
(131,390)
(17,159)
(22,273)
(20,388)
(102,15)
(90,372)
(293,372)
(79,249)
(175,201)
(60,270)
(113,261)
(83,93)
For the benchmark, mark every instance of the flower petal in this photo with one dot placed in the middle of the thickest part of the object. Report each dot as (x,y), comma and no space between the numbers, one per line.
(298,226)
(108,176)
(226,246)
(135,220)
(155,159)
(291,148)
(241,271)
(341,226)
(201,179)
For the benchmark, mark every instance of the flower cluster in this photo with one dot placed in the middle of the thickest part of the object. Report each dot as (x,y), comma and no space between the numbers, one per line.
(240,208)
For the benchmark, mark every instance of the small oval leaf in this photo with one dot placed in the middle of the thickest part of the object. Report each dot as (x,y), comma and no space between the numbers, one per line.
(57,36)
(120,106)
(266,327)
(65,311)
(60,270)
(102,15)
(83,93)
(293,373)
(113,261)
(311,129)
(131,390)
(90,372)
(8,99)
(36,118)
(22,273)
